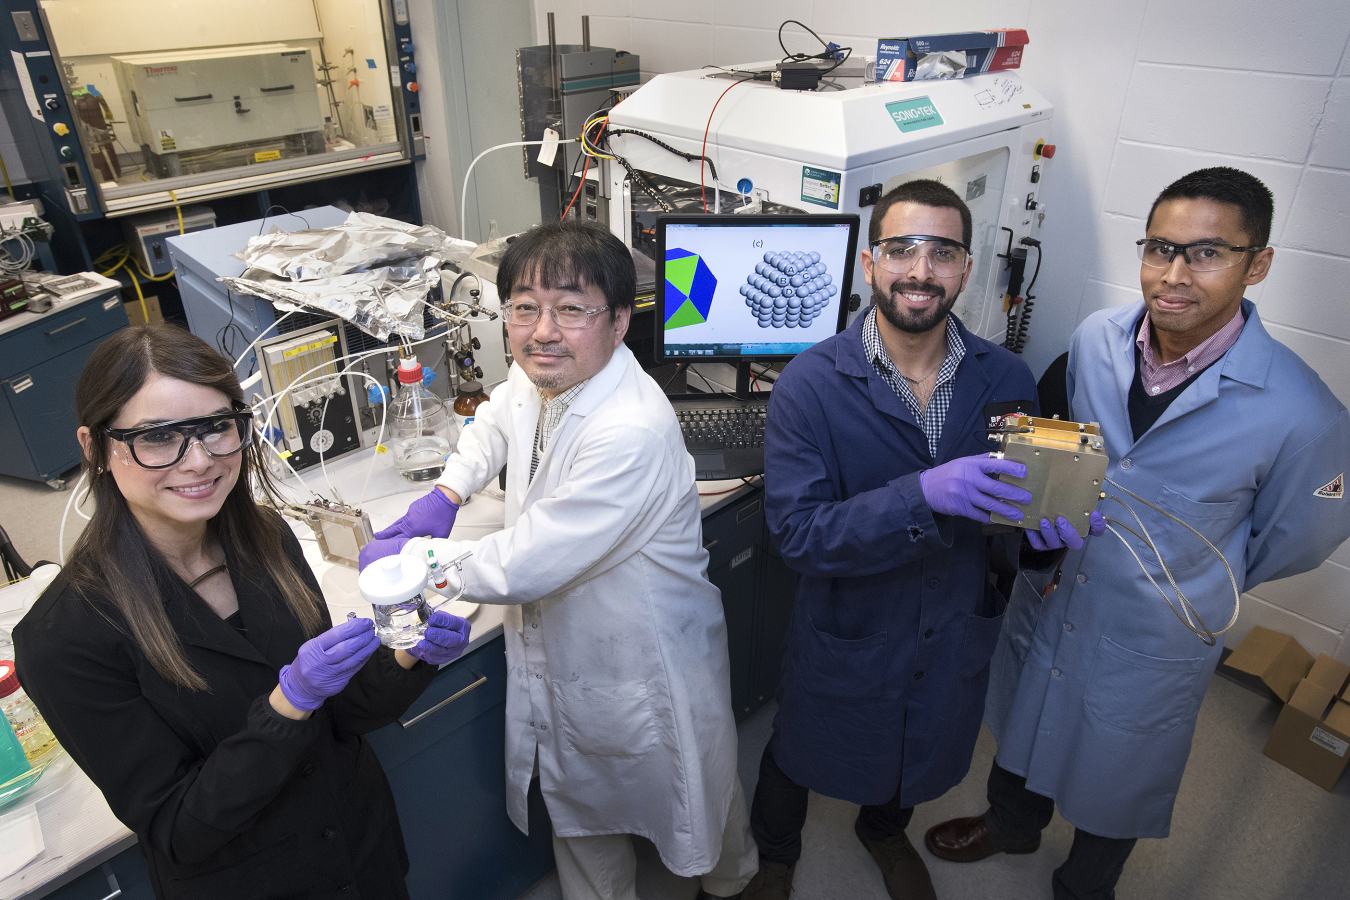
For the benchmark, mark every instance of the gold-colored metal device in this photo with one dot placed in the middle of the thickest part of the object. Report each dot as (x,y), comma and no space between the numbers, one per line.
(341,530)
(1066,462)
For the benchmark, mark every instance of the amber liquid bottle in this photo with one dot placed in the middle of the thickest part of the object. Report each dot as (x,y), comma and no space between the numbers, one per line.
(467,401)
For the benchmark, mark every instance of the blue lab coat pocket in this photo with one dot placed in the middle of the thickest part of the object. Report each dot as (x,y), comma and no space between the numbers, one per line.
(981,637)
(844,669)
(1138,693)
(1180,548)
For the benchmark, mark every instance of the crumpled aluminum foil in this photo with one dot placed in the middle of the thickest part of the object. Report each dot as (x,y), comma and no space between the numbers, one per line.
(374,272)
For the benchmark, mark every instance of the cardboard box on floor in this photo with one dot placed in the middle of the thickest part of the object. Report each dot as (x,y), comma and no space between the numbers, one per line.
(133,308)
(1312,734)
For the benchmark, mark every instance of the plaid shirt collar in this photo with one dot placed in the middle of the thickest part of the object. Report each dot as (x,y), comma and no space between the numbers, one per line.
(932,418)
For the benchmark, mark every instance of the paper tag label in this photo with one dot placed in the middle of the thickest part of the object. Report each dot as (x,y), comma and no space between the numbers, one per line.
(26,84)
(266,155)
(549,148)
(22,384)
(1328,741)
(394,78)
(111,303)
(383,111)
(380,448)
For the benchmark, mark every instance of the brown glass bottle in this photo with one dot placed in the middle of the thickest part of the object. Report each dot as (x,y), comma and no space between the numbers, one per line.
(467,401)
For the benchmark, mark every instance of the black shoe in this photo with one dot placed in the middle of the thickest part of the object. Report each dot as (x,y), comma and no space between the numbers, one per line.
(773,881)
(903,869)
(704,895)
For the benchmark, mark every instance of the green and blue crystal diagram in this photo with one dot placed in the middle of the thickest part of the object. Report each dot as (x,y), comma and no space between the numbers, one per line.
(690,286)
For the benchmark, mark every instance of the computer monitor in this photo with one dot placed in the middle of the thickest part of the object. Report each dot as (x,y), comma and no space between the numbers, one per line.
(743,288)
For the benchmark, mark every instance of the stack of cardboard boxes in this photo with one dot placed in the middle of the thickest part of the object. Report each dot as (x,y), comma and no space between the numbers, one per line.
(1312,734)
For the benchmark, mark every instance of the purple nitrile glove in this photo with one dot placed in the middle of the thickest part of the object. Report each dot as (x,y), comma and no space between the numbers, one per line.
(963,487)
(445,639)
(326,663)
(431,515)
(1062,534)
(379,549)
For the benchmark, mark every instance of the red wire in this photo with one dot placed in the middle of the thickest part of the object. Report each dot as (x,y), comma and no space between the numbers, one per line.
(703,154)
(584,170)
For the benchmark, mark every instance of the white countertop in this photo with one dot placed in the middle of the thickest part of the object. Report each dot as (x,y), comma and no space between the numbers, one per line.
(79,831)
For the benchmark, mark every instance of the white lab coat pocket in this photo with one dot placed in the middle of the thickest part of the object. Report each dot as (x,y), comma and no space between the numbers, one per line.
(1138,693)
(606,720)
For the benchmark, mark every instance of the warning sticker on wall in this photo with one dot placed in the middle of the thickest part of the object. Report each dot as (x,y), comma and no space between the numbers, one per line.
(166,140)
(820,186)
(912,115)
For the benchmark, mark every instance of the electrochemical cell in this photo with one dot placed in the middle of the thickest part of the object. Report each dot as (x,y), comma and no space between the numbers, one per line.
(788,290)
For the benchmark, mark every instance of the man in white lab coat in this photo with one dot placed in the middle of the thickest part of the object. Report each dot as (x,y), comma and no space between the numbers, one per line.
(615,640)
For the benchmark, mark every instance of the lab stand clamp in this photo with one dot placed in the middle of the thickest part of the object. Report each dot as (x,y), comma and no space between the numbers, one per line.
(1066,466)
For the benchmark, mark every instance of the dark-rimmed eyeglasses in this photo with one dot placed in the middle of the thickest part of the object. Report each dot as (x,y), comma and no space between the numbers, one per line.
(1199,256)
(899,255)
(164,444)
(565,315)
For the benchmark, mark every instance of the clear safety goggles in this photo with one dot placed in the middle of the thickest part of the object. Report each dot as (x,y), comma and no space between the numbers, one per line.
(162,445)
(899,255)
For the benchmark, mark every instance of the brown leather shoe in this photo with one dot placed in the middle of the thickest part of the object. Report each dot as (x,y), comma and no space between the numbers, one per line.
(901,866)
(773,881)
(969,840)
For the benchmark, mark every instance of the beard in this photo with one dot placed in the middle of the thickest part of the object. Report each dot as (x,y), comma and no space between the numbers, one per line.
(547,381)
(913,321)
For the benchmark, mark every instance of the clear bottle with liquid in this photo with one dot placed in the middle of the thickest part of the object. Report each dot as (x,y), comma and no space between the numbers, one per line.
(422,431)
(34,734)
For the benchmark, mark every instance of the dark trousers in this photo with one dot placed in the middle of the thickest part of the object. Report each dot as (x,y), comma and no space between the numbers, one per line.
(778,814)
(1017,815)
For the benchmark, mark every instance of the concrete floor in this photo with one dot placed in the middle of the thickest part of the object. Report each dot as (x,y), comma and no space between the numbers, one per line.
(1245,827)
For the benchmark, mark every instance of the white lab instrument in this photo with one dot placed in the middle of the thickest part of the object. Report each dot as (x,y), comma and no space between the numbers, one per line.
(838,150)
(192,100)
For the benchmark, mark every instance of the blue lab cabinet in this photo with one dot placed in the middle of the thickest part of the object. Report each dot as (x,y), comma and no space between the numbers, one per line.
(445,760)
(41,358)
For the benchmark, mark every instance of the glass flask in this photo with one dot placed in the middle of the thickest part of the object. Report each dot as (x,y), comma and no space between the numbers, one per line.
(422,431)
(34,734)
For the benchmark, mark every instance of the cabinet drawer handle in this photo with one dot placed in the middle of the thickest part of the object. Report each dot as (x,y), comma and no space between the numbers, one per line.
(284,87)
(112,882)
(69,325)
(190,99)
(710,545)
(408,723)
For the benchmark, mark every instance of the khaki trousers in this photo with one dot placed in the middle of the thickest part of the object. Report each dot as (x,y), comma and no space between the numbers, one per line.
(604,867)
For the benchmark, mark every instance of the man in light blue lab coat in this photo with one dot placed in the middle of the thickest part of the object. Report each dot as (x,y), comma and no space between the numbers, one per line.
(1096,684)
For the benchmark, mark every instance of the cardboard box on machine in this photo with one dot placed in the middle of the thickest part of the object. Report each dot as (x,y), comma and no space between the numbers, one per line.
(955,55)
(1312,734)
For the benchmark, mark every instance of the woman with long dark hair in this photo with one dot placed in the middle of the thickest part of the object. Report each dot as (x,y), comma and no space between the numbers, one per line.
(186,660)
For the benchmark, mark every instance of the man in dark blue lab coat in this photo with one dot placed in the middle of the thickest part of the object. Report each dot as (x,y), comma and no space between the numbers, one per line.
(877,479)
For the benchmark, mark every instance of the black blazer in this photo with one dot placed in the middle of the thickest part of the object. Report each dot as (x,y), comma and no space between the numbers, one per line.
(227,798)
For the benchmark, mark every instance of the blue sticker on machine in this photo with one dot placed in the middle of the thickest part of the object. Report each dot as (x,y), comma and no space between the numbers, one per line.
(370,64)
(912,115)
(820,186)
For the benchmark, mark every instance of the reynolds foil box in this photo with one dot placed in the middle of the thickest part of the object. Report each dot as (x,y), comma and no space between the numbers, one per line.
(956,55)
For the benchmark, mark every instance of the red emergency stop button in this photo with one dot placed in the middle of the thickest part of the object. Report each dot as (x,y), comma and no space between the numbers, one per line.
(412,86)
(1048,151)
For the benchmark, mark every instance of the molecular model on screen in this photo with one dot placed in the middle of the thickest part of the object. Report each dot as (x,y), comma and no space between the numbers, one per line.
(788,290)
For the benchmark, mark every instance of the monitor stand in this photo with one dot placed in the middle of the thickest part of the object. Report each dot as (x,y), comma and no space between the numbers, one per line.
(743,374)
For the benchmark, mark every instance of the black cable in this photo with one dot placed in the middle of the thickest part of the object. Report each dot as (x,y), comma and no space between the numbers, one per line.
(1024,320)
(263,223)
(679,367)
(229,333)
(805,57)
(689,157)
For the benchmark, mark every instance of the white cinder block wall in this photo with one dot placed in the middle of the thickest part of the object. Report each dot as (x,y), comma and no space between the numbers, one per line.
(1144,91)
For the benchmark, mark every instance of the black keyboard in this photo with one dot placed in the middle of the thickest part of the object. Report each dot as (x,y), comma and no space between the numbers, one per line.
(725,435)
